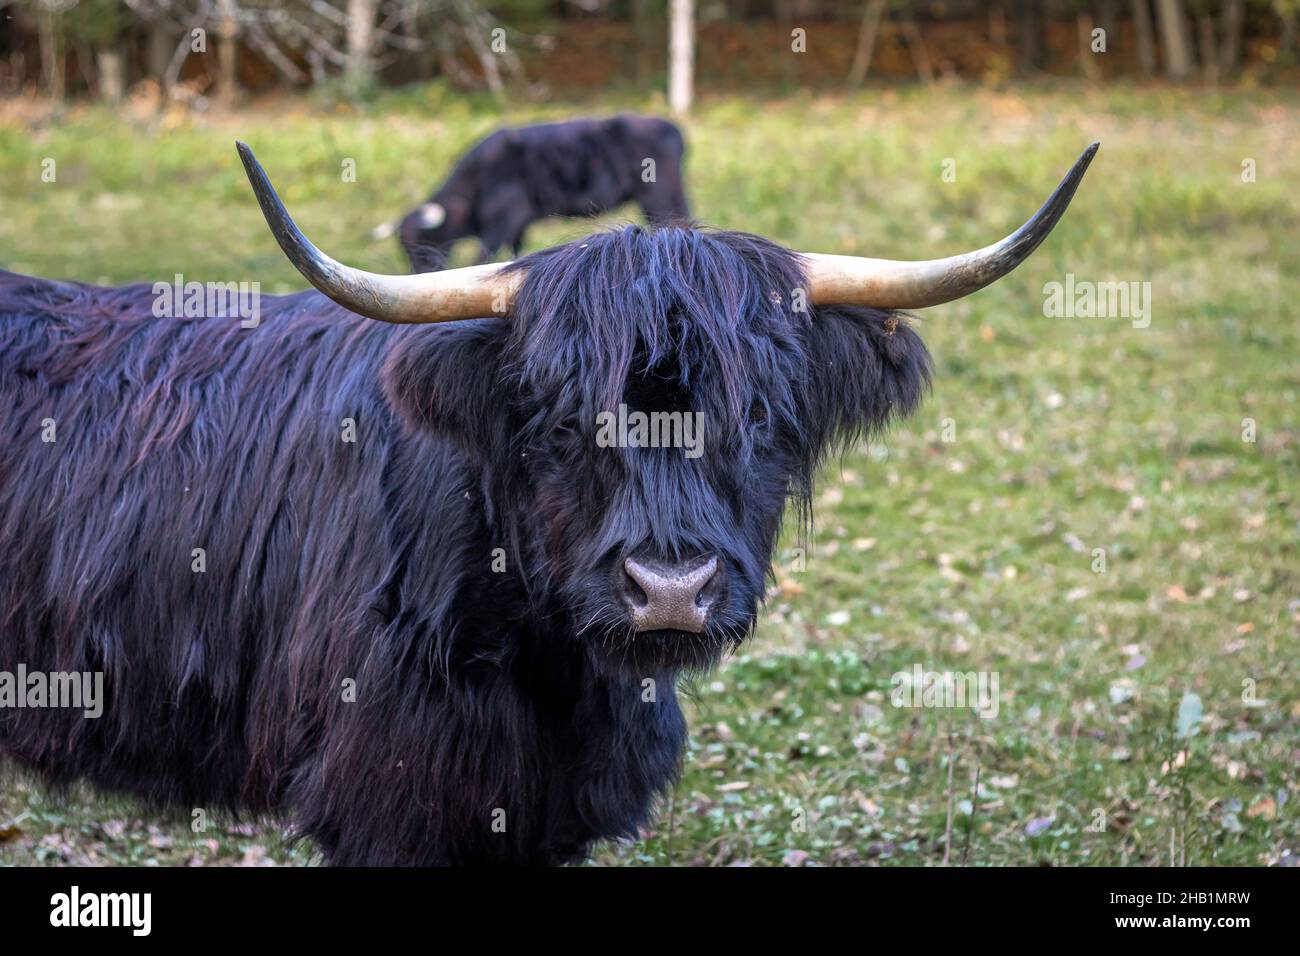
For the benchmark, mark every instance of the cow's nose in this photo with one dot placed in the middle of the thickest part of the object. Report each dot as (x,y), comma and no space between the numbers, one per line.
(665,596)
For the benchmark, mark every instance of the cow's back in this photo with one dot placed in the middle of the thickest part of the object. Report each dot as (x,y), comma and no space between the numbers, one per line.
(574,168)
(184,506)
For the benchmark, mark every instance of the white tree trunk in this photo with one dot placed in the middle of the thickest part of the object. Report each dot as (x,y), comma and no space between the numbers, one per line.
(681,55)
(227,51)
(112,75)
(361,39)
(52,62)
(1087,61)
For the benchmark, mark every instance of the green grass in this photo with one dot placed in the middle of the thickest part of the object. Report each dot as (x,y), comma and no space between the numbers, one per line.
(975,554)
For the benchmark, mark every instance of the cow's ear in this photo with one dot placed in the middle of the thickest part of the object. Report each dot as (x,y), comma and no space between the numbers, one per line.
(447,380)
(866,369)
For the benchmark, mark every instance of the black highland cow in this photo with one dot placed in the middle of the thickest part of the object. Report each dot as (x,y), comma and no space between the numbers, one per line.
(499,713)
(515,177)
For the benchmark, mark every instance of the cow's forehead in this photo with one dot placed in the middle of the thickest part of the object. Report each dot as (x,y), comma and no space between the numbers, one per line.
(708,310)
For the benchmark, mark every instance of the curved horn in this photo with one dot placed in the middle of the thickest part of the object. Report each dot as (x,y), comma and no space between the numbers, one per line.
(466,293)
(891,284)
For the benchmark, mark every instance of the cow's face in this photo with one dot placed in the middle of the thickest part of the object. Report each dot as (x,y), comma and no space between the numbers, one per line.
(646,413)
(429,232)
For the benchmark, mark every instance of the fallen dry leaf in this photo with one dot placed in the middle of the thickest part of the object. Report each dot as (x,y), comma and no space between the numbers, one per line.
(1264,807)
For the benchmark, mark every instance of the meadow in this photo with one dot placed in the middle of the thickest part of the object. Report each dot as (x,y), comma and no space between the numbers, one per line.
(1102,511)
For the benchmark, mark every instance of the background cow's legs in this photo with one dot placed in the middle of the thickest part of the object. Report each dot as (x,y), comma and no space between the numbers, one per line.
(510,236)
(503,218)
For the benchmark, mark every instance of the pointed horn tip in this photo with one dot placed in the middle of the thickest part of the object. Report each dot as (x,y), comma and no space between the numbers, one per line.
(1065,191)
(257,177)
(251,166)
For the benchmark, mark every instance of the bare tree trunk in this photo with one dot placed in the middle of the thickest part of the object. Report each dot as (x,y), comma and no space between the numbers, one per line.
(1108,18)
(316,67)
(361,38)
(257,38)
(867,33)
(1234,14)
(172,74)
(112,75)
(1175,39)
(86,66)
(158,50)
(15,73)
(916,46)
(1144,37)
(1087,59)
(486,58)
(997,27)
(1029,35)
(423,59)
(1286,45)
(227,50)
(1208,49)
(52,56)
(681,55)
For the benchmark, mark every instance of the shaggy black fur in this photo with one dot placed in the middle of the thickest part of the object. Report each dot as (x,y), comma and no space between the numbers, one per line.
(515,699)
(576,168)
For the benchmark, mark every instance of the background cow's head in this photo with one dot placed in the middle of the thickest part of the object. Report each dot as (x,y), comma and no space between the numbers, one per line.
(656,556)
(430,230)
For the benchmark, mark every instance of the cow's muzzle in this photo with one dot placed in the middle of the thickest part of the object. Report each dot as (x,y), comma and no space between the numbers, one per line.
(669,596)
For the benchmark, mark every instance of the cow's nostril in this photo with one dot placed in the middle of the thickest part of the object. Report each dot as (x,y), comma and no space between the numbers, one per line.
(629,592)
(677,596)
(708,593)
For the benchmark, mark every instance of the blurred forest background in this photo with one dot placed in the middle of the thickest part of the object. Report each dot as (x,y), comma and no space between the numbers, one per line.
(217,53)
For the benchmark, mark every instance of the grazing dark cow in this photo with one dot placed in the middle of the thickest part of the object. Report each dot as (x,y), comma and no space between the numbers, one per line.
(455,639)
(518,176)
